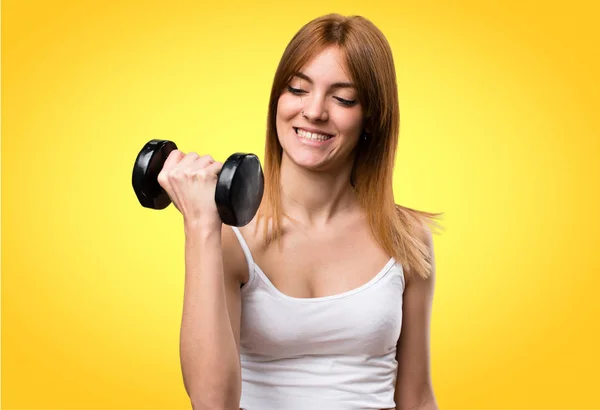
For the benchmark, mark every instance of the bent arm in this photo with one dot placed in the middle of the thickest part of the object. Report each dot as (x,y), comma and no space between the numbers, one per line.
(209,338)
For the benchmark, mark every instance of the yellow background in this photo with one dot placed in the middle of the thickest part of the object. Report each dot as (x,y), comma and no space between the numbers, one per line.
(499,114)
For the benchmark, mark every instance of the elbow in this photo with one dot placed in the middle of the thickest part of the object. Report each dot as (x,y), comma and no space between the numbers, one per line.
(203,404)
(423,399)
(222,392)
(203,400)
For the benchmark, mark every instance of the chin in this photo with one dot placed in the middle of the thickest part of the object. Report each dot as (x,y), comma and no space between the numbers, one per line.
(306,161)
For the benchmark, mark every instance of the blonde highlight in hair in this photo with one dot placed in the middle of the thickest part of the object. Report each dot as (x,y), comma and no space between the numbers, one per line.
(398,229)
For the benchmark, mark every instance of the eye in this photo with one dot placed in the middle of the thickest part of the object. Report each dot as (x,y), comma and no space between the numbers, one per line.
(347,103)
(296,91)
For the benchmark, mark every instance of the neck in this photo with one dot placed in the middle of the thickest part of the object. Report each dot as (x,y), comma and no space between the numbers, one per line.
(314,198)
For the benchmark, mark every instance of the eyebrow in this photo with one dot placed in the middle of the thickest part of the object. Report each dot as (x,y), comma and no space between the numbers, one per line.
(334,85)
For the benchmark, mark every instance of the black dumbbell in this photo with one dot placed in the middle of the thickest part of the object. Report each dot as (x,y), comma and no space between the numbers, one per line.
(239,190)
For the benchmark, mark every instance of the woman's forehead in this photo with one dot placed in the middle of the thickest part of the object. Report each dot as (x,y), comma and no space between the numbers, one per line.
(327,66)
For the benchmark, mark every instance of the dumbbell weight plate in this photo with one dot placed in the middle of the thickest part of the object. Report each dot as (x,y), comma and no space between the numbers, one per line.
(148,165)
(239,190)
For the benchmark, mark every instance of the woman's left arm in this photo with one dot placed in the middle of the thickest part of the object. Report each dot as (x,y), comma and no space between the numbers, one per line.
(414,389)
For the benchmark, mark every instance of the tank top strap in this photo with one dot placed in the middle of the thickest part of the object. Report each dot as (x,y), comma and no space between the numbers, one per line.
(247,253)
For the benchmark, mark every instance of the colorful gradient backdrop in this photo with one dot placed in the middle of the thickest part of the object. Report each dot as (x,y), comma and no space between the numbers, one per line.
(500,131)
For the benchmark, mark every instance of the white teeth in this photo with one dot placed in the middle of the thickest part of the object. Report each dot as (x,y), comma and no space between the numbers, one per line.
(312,135)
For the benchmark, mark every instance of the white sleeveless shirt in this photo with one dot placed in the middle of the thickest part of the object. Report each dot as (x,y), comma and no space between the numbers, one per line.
(332,352)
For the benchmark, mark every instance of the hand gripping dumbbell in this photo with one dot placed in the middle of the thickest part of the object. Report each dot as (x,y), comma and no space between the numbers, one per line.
(239,190)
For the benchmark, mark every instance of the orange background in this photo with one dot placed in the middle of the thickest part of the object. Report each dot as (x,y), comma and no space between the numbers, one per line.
(499,130)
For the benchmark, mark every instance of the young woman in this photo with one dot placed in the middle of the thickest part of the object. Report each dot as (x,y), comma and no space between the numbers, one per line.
(324,300)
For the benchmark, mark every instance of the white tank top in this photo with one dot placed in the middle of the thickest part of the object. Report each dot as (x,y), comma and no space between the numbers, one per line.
(332,352)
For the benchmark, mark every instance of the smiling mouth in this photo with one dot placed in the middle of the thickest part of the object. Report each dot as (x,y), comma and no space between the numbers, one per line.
(312,136)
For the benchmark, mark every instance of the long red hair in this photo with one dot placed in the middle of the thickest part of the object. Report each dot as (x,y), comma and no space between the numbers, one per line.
(398,229)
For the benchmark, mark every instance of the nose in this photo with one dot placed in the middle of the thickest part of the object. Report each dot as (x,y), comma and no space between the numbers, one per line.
(315,109)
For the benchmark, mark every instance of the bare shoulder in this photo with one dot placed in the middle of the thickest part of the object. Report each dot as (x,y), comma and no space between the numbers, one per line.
(424,235)
(235,266)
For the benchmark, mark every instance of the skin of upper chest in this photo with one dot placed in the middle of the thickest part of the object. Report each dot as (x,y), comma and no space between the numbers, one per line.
(318,263)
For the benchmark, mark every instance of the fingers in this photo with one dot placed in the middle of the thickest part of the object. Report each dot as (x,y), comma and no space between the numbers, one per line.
(179,164)
(188,161)
(193,161)
(173,159)
(202,161)
(185,162)
(214,168)
(204,168)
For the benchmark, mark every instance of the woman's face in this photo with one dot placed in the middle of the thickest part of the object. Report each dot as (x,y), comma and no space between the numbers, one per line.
(319,117)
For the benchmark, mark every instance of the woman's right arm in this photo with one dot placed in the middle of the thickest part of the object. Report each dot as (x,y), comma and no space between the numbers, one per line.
(209,338)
